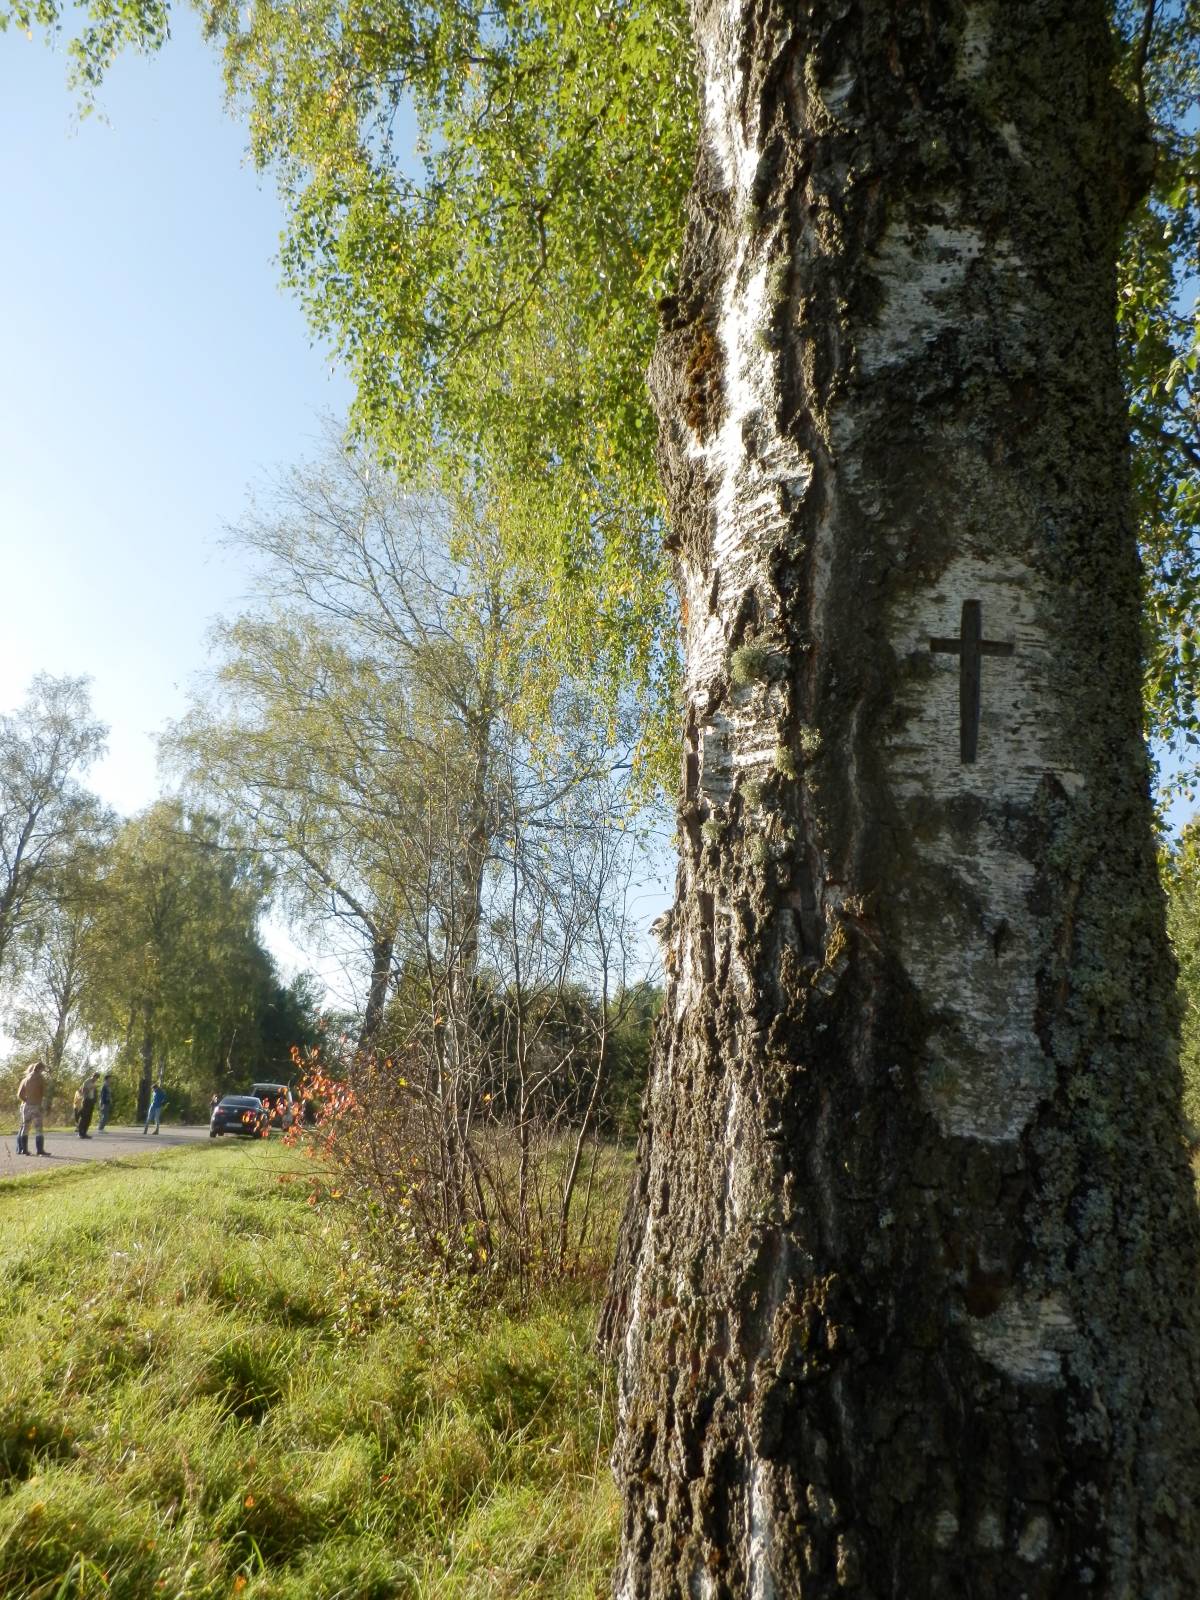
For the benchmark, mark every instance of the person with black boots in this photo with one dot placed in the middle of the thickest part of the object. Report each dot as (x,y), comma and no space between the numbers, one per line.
(31,1093)
(106,1098)
(88,1105)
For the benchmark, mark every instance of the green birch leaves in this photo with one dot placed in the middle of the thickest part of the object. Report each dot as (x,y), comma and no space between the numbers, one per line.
(1157,328)
(492,282)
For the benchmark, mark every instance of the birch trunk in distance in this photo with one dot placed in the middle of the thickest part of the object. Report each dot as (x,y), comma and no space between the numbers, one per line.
(906,1288)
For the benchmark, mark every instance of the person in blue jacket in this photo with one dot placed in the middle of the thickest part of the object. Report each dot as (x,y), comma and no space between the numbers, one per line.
(155,1109)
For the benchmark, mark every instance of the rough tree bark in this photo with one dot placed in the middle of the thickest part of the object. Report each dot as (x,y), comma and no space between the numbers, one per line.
(906,1294)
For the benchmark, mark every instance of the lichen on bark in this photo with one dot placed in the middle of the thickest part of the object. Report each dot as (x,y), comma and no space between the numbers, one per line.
(906,1296)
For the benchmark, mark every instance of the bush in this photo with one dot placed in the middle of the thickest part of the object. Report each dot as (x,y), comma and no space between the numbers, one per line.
(528,1200)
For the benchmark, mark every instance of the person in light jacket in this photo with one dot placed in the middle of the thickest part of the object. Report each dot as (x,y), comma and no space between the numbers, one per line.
(31,1093)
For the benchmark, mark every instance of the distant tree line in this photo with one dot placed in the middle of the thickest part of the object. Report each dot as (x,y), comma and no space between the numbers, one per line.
(384,755)
(129,945)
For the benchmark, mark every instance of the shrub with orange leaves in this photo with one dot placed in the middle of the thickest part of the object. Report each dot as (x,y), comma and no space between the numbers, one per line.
(432,1168)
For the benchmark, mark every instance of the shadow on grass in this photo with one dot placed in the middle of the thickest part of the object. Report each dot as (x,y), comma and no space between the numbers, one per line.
(78,1172)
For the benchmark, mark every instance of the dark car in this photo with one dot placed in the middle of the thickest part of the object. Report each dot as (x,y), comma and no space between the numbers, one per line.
(277,1101)
(238,1113)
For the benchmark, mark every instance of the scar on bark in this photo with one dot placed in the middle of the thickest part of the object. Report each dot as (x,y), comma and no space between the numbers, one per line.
(1066,938)
(703,379)
(706,923)
(691,757)
(745,620)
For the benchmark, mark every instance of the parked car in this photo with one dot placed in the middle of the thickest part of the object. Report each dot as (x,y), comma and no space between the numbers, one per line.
(242,1114)
(278,1101)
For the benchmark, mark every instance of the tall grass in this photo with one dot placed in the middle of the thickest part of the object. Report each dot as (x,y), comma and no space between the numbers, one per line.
(209,1389)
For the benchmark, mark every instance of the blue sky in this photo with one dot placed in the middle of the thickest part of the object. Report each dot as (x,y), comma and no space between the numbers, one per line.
(152,370)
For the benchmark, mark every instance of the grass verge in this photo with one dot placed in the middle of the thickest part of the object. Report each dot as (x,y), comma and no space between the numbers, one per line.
(207,1391)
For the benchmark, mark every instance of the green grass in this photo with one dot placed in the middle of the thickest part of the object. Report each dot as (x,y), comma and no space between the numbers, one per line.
(206,1390)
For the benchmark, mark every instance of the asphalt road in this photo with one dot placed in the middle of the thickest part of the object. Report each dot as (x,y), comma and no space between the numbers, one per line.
(65,1148)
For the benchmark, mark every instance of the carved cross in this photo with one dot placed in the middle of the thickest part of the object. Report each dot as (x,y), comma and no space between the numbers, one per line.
(970,650)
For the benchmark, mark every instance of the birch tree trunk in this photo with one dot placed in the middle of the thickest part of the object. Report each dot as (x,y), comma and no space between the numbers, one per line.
(383,946)
(907,1287)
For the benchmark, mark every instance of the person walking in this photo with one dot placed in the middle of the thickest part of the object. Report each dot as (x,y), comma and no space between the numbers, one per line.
(31,1095)
(88,1091)
(105,1102)
(155,1109)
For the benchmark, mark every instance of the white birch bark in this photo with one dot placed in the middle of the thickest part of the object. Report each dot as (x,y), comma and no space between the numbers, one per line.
(907,1286)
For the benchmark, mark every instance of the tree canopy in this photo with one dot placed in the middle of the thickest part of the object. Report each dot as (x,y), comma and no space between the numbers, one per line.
(1160,347)
(493,290)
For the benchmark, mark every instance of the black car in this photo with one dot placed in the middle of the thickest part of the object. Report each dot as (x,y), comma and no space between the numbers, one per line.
(238,1113)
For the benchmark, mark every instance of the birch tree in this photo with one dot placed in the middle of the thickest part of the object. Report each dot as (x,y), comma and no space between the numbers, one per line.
(907,1300)
(54,958)
(352,715)
(907,1286)
(45,813)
